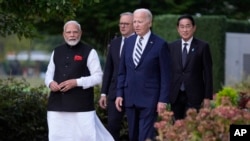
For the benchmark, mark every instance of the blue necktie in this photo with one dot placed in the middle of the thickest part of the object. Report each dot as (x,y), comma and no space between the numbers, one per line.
(184,59)
(122,43)
(184,55)
(138,51)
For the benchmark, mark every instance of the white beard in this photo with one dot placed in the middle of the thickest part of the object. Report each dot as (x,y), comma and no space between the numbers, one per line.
(72,42)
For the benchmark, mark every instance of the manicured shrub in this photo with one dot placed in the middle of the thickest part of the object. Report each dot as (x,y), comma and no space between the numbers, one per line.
(22,111)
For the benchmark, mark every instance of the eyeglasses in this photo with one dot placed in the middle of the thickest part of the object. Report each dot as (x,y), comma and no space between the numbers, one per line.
(124,24)
(187,27)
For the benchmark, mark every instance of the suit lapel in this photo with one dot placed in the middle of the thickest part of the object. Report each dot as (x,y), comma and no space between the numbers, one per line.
(192,50)
(147,49)
(130,48)
(118,48)
(179,52)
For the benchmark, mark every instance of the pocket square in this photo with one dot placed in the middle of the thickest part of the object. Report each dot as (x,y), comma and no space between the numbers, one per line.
(78,58)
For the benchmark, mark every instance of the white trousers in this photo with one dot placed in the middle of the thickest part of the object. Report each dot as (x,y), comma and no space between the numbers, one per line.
(76,126)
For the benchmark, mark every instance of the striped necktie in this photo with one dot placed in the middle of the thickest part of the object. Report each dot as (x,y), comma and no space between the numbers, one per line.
(138,51)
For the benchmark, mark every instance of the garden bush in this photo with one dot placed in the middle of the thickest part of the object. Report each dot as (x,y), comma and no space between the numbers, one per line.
(227,93)
(22,111)
(244,91)
(209,124)
(23,114)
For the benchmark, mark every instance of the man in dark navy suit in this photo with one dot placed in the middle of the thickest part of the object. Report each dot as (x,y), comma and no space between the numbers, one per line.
(110,75)
(192,82)
(143,78)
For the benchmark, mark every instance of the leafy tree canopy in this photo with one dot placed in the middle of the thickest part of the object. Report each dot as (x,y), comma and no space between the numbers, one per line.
(99,19)
(20,16)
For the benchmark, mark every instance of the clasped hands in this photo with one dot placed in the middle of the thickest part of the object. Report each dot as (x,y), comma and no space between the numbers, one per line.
(63,86)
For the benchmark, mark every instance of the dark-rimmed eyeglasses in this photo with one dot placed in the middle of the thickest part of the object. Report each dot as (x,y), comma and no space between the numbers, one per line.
(124,24)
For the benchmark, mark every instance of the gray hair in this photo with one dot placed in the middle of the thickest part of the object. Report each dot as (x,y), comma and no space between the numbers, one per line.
(144,10)
(126,13)
(72,22)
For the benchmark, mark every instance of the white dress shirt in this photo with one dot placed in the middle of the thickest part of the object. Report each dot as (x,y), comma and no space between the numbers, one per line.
(144,41)
(188,44)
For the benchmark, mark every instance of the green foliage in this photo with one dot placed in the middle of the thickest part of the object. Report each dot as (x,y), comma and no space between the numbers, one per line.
(244,91)
(99,19)
(13,45)
(238,26)
(22,111)
(243,86)
(165,26)
(227,92)
(20,16)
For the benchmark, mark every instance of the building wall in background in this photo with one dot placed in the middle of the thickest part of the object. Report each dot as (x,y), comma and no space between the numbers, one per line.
(237,62)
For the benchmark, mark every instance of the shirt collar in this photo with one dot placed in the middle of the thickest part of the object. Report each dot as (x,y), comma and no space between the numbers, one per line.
(146,36)
(189,41)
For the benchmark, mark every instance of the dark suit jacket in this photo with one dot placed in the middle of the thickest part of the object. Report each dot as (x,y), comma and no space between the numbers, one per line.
(197,74)
(111,69)
(148,83)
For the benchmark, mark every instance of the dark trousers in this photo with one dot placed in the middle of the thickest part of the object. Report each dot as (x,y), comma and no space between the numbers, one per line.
(115,119)
(141,123)
(181,106)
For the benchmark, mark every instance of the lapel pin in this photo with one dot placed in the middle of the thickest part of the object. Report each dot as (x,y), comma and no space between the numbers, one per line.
(192,49)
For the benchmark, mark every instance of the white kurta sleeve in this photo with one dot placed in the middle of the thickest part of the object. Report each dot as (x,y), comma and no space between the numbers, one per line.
(50,71)
(94,66)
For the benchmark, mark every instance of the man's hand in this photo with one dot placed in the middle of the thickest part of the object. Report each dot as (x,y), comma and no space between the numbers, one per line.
(206,103)
(161,107)
(67,85)
(54,87)
(103,102)
(118,103)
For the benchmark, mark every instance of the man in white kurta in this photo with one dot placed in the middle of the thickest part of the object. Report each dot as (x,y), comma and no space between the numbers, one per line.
(74,69)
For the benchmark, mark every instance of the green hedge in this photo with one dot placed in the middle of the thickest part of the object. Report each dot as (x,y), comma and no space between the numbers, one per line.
(238,26)
(23,111)
(209,28)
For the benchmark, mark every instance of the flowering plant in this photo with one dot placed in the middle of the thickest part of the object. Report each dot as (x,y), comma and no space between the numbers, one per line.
(209,124)
(244,91)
